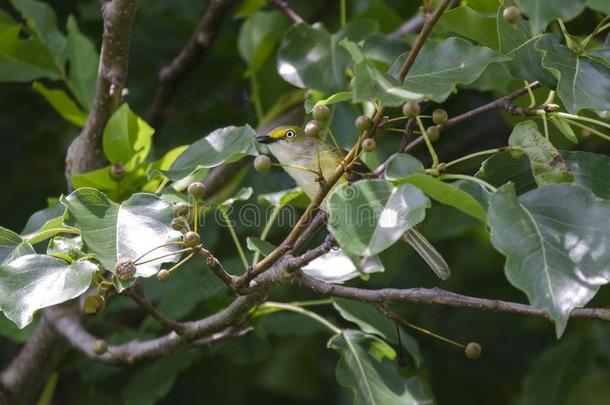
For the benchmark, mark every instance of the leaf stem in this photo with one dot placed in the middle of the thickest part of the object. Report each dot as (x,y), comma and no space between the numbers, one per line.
(255,95)
(428,143)
(581,118)
(588,128)
(448,176)
(476,154)
(531,94)
(294,308)
(157,247)
(177,252)
(196,215)
(343,13)
(240,250)
(181,262)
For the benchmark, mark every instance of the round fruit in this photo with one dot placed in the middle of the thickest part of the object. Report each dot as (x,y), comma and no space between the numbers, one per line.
(312,128)
(411,109)
(100,347)
(473,350)
(433,133)
(439,116)
(181,209)
(163,275)
(117,172)
(196,189)
(321,113)
(368,145)
(511,14)
(363,123)
(178,223)
(125,269)
(191,239)
(94,304)
(262,163)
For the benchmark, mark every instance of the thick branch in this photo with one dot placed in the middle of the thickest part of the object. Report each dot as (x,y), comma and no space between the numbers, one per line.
(436,296)
(172,75)
(85,152)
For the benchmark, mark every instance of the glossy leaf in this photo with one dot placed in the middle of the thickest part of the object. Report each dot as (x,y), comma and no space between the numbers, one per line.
(333,99)
(84,60)
(365,368)
(224,145)
(258,37)
(547,163)
(12,246)
(126,136)
(542,12)
(556,254)
(368,216)
(513,166)
(471,24)
(401,165)
(338,266)
(34,281)
(310,57)
(590,171)
(582,82)
(68,249)
(441,66)
(49,229)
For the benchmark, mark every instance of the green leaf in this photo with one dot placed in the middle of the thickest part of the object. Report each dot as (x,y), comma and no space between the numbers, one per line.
(518,43)
(84,61)
(555,239)
(68,249)
(34,281)
(224,145)
(513,166)
(599,5)
(365,368)
(310,57)
(338,266)
(335,98)
(258,37)
(382,50)
(126,136)
(38,219)
(547,163)
(368,216)
(401,165)
(370,321)
(249,7)
(468,23)
(283,197)
(12,246)
(49,229)
(582,82)
(441,66)
(590,171)
(260,245)
(447,194)
(242,195)
(564,127)
(62,103)
(23,60)
(542,12)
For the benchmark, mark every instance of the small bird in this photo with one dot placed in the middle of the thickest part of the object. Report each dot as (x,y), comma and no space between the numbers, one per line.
(305,158)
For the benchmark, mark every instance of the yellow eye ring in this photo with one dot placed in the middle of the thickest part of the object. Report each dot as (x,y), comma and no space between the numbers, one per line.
(289,134)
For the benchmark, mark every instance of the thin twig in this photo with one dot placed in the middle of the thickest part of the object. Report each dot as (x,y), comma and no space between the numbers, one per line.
(288,12)
(214,264)
(136,293)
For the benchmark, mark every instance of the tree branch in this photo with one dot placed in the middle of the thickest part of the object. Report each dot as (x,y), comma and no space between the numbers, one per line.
(288,12)
(193,51)
(136,293)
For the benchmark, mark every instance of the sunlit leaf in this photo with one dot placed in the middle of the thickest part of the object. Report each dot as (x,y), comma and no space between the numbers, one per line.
(12,246)
(84,61)
(62,103)
(338,267)
(126,136)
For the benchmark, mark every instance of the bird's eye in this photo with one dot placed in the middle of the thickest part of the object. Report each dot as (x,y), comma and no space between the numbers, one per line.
(289,134)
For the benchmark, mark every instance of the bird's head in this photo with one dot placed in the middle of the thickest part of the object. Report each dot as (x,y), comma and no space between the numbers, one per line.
(283,134)
(288,143)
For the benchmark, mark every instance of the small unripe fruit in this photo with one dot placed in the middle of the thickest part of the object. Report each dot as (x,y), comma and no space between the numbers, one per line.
(196,189)
(312,128)
(181,209)
(321,113)
(363,123)
(163,275)
(191,239)
(100,347)
(262,163)
(368,145)
(473,350)
(117,172)
(94,304)
(125,269)
(411,109)
(403,361)
(433,133)
(439,116)
(511,14)
(178,223)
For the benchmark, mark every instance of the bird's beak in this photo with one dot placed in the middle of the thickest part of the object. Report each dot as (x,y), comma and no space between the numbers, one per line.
(265,139)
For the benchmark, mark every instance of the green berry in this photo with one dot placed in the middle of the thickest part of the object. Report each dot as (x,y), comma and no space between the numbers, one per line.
(191,239)
(473,350)
(433,133)
(511,14)
(411,109)
(94,304)
(368,145)
(163,275)
(262,163)
(117,172)
(321,113)
(181,209)
(363,123)
(196,189)
(178,223)
(125,269)
(439,116)
(100,347)
(312,129)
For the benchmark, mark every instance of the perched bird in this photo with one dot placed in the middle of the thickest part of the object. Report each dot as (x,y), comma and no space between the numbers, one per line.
(304,157)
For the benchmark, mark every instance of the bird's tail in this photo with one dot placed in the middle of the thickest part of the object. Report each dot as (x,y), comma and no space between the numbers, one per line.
(428,253)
